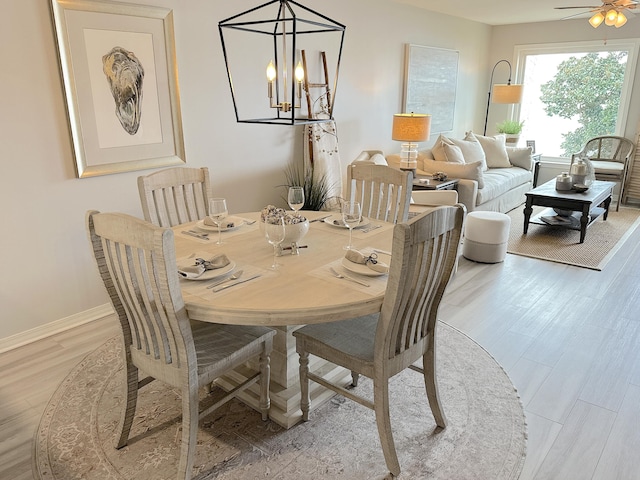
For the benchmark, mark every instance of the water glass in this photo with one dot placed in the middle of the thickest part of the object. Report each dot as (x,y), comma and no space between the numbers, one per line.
(275,233)
(295,198)
(217,213)
(351,216)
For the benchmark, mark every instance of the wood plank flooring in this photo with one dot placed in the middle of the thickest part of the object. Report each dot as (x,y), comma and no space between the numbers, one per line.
(568,337)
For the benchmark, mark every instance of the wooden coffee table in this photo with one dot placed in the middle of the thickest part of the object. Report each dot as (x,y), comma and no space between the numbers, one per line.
(586,206)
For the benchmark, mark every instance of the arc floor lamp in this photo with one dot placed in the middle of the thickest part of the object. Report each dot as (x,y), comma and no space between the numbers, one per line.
(502,93)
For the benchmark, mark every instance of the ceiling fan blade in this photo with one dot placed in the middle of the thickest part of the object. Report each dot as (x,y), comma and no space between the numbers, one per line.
(578,14)
(567,8)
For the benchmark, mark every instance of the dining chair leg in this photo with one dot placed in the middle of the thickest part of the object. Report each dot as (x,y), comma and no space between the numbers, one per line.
(383,421)
(265,377)
(304,382)
(190,416)
(431,384)
(129,408)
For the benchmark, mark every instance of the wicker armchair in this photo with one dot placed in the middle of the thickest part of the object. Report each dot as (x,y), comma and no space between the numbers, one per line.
(610,156)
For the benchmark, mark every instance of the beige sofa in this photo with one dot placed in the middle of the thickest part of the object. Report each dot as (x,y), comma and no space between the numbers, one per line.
(481,187)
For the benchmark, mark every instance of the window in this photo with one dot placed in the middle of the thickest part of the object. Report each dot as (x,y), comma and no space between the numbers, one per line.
(573,92)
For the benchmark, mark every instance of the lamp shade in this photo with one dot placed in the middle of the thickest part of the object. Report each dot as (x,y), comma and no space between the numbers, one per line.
(506,93)
(411,127)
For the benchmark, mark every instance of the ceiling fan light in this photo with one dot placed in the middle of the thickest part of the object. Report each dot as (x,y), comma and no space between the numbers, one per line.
(621,20)
(611,18)
(596,19)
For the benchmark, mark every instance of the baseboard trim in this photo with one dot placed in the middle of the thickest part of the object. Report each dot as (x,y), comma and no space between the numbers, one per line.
(57,326)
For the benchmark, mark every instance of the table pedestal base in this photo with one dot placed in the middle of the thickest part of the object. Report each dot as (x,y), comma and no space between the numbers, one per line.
(285,383)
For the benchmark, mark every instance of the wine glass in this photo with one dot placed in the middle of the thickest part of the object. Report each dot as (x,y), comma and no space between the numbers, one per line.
(296,198)
(275,233)
(217,213)
(351,216)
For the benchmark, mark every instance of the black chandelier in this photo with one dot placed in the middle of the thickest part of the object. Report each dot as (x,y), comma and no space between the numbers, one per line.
(288,46)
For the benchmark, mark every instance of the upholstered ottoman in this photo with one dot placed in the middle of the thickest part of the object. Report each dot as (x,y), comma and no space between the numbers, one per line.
(485,236)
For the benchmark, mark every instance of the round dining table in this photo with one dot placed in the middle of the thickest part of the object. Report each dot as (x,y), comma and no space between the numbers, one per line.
(302,290)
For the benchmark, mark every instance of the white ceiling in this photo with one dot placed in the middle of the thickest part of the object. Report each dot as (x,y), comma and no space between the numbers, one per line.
(505,12)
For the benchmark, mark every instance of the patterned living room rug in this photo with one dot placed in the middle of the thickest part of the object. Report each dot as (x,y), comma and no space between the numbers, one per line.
(562,245)
(485,437)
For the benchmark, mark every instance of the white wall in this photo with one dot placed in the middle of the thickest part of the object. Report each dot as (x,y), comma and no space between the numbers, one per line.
(48,271)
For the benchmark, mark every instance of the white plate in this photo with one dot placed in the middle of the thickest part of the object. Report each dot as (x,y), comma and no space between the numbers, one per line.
(237,221)
(215,273)
(360,269)
(329,221)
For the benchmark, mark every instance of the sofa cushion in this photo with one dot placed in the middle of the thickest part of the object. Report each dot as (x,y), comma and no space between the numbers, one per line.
(471,150)
(470,147)
(453,153)
(498,181)
(520,157)
(495,149)
(472,171)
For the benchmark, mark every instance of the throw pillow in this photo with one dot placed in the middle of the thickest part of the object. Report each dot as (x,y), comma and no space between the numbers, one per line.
(438,148)
(453,153)
(471,151)
(378,159)
(494,148)
(471,171)
(520,157)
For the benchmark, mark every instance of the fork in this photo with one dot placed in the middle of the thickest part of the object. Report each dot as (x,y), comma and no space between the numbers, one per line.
(346,277)
(235,276)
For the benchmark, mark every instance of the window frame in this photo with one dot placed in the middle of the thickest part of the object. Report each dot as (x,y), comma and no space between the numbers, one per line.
(632,46)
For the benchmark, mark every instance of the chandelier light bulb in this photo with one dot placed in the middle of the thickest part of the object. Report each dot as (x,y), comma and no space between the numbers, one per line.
(299,72)
(271,71)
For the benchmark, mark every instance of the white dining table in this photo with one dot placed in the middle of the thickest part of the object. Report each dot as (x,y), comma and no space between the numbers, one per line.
(301,291)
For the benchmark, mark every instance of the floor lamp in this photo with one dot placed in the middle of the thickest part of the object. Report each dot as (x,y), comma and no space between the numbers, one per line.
(502,93)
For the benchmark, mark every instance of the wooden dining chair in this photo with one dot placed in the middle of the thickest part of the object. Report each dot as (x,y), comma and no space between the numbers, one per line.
(137,263)
(610,157)
(384,192)
(380,346)
(173,196)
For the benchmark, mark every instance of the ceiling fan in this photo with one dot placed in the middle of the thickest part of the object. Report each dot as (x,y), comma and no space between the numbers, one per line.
(613,13)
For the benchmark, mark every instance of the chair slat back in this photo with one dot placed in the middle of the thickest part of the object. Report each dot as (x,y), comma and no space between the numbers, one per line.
(608,148)
(424,255)
(384,193)
(137,264)
(175,195)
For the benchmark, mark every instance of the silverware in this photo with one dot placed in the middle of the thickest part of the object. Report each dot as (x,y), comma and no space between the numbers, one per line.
(235,276)
(218,289)
(383,252)
(201,236)
(346,277)
(319,219)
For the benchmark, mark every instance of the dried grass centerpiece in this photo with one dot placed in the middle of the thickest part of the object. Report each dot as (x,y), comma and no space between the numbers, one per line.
(296,226)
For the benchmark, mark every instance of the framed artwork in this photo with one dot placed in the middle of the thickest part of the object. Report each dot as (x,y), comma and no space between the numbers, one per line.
(532,144)
(120,80)
(431,78)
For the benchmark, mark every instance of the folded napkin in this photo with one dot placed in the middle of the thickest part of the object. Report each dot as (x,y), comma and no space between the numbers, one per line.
(370,261)
(202,263)
(228,224)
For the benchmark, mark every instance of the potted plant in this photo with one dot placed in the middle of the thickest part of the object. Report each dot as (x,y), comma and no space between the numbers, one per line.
(316,191)
(512,130)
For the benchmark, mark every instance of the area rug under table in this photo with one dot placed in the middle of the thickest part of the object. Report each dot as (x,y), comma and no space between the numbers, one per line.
(485,437)
(562,245)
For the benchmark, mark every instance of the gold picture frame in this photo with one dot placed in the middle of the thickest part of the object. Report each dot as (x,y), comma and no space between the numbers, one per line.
(120,80)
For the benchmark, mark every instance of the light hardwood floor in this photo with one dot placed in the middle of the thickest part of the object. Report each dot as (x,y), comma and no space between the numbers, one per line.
(568,337)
